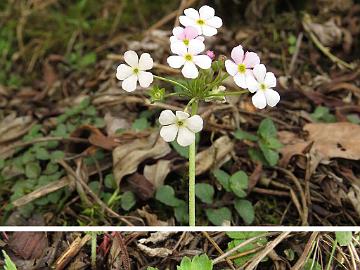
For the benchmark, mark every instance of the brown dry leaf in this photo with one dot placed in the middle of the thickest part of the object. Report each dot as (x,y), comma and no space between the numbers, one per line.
(28,245)
(354,197)
(127,157)
(155,252)
(151,219)
(113,124)
(156,237)
(143,188)
(215,155)
(293,145)
(157,173)
(12,127)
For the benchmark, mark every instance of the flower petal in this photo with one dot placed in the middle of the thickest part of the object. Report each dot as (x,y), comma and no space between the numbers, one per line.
(195,123)
(208,31)
(259,72)
(178,32)
(272,97)
(190,32)
(129,84)
(196,47)
(168,133)
(231,67)
(203,61)
(240,80)
(270,80)
(201,38)
(185,137)
(167,117)
(251,83)
(187,21)
(175,61)
(123,71)
(191,13)
(178,48)
(214,22)
(206,12)
(251,59)
(259,100)
(145,78)
(189,70)
(180,115)
(146,62)
(131,58)
(237,54)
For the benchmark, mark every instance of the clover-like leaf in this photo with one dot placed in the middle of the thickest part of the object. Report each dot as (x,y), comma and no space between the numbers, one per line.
(239,183)
(204,192)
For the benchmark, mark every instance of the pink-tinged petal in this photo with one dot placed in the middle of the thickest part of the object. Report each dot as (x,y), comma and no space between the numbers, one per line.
(186,21)
(240,80)
(259,100)
(272,97)
(123,71)
(237,54)
(270,80)
(175,61)
(180,115)
(196,47)
(203,61)
(214,22)
(206,12)
(251,59)
(131,58)
(231,67)
(189,70)
(191,13)
(208,31)
(167,117)
(178,48)
(178,32)
(146,62)
(168,133)
(190,32)
(201,38)
(145,78)
(129,84)
(195,123)
(185,137)
(259,72)
(251,83)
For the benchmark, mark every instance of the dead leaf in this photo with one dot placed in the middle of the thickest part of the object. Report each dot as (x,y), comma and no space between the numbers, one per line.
(28,245)
(354,197)
(157,173)
(127,157)
(155,252)
(215,155)
(329,34)
(156,237)
(151,219)
(143,188)
(113,124)
(293,145)
(13,127)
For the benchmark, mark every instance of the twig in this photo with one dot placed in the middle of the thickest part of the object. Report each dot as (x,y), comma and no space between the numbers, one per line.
(307,249)
(261,255)
(296,53)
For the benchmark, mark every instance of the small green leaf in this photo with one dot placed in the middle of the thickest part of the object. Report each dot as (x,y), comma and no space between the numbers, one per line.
(2,163)
(51,168)
(128,200)
(204,192)
(223,178)
(27,157)
(9,264)
(140,124)
(218,216)
(353,118)
(185,264)
(312,265)
(274,143)
(243,135)
(245,210)
(343,238)
(110,181)
(243,235)
(270,155)
(181,212)
(87,59)
(166,195)
(239,183)
(32,170)
(182,151)
(322,114)
(56,155)
(42,154)
(151,268)
(267,128)
(202,262)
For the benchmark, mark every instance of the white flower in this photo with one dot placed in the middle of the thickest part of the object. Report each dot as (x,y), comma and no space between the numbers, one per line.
(134,71)
(261,82)
(240,67)
(186,35)
(204,20)
(181,125)
(189,58)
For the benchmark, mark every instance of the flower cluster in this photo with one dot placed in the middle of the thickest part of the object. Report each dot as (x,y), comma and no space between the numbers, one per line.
(188,49)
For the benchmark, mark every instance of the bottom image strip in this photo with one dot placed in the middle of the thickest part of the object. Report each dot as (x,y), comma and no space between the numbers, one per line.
(180,250)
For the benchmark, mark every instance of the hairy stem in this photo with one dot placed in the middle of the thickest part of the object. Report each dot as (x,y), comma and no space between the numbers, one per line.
(172,81)
(192,154)
(93,250)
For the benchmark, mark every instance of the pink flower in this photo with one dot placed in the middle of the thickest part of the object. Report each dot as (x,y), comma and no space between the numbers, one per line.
(186,35)
(211,54)
(241,66)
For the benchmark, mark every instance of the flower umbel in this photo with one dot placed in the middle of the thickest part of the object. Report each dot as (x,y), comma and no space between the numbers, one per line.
(203,20)
(261,82)
(181,125)
(135,71)
(240,67)
(186,35)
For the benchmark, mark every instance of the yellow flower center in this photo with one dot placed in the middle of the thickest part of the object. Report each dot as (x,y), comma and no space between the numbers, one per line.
(136,70)
(241,68)
(200,22)
(263,87)
(180,123)
(186,42)
(188,57)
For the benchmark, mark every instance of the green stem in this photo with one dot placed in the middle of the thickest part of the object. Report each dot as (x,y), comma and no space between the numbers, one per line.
(171,81)
(332,254)
(192,155)
(93,250)
(229,93)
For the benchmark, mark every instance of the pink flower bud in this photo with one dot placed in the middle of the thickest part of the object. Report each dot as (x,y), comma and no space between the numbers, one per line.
(211,54)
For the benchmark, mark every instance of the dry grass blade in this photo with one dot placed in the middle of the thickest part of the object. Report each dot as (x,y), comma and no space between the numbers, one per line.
(301,261)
